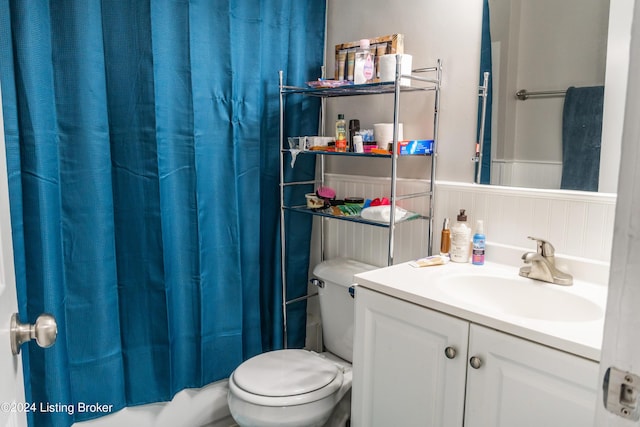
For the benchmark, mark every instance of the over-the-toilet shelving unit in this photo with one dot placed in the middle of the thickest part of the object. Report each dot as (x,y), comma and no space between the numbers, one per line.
(422,80)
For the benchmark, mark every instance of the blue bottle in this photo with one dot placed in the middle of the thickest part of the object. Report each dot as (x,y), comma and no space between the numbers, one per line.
(477,256)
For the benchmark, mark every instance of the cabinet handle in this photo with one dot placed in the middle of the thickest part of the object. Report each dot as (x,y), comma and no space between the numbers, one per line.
(450,352)
(475,362)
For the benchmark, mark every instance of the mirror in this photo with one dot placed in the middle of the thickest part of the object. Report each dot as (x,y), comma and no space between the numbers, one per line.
(545,47)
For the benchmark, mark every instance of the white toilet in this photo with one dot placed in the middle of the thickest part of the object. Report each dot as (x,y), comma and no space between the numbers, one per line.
(300,388)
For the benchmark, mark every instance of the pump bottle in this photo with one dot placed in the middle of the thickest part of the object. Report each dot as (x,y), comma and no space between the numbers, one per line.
(460,239)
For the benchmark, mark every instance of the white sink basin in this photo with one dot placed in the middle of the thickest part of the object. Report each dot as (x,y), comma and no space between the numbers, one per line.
(521,297)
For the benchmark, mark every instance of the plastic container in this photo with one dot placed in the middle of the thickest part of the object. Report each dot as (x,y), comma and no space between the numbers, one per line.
(477,255)
(358,146)
(460,239)
(313,201)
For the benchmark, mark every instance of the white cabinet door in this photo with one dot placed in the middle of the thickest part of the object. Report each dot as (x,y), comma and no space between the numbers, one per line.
(527,385)
(401,375)
(11,385)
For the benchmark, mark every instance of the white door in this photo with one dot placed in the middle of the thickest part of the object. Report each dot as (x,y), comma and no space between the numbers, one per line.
(11,385)
(621,346)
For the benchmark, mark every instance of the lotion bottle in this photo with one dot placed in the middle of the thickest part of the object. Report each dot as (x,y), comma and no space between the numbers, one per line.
(477,256)
(364,67)
(460,239)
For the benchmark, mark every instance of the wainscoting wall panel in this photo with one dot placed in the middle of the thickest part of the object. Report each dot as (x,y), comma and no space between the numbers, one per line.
(579,224)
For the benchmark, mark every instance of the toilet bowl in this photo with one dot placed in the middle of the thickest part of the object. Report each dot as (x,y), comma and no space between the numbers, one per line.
(287,388)
(301,388)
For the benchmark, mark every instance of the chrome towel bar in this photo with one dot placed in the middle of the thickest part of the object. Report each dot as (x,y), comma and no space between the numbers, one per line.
(523,94)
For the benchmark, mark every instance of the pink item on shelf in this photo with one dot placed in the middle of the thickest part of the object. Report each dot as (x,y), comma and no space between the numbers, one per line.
(326,192)
(368,146)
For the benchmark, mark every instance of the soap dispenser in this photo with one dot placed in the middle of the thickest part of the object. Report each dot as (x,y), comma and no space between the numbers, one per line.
(460,239)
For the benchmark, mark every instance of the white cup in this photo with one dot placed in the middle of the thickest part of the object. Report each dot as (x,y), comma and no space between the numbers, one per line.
(383,133)
(387,64)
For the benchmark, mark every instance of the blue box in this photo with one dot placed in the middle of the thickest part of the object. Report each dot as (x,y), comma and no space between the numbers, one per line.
(416,146)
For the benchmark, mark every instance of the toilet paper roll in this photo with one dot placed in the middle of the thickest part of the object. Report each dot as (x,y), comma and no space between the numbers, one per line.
(383,133)
(387,64)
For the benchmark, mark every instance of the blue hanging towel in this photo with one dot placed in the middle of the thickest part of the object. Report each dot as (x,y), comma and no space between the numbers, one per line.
(581,137)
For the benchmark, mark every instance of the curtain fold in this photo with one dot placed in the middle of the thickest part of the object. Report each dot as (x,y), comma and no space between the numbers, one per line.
(142,143)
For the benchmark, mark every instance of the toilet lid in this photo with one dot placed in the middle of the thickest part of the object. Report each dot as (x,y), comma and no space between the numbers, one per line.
(285,373)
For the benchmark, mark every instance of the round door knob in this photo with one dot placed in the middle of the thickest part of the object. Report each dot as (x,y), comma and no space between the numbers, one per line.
(44,331)
(450,352)
(475,362)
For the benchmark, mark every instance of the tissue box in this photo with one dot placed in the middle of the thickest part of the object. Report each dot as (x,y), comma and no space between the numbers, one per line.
(319,141)
(416,146)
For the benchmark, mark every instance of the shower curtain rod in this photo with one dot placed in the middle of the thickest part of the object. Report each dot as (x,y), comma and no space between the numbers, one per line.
(523,94)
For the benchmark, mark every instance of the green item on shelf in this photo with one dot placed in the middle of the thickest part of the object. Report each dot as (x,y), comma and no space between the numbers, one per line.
(350,209)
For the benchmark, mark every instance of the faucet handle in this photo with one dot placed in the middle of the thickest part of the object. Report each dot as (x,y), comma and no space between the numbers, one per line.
(544,247)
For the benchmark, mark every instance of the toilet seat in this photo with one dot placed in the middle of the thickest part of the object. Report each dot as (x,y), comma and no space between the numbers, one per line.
(285,378)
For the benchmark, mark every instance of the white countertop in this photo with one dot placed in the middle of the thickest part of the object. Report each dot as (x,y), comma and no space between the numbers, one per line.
(420,286)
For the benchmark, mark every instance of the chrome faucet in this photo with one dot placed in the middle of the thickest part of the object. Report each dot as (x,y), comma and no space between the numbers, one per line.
(542,265)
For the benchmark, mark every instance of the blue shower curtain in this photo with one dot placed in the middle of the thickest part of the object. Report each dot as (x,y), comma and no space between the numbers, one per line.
(142,142)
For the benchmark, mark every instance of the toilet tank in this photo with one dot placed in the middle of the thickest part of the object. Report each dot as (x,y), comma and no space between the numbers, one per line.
(336,303)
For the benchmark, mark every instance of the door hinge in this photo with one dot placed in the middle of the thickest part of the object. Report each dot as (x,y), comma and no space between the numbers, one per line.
(621,392)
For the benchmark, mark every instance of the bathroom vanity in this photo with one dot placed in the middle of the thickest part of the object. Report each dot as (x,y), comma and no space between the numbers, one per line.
(463,345)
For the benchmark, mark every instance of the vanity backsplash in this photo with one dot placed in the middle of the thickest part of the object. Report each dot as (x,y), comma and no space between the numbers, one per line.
(579,224)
